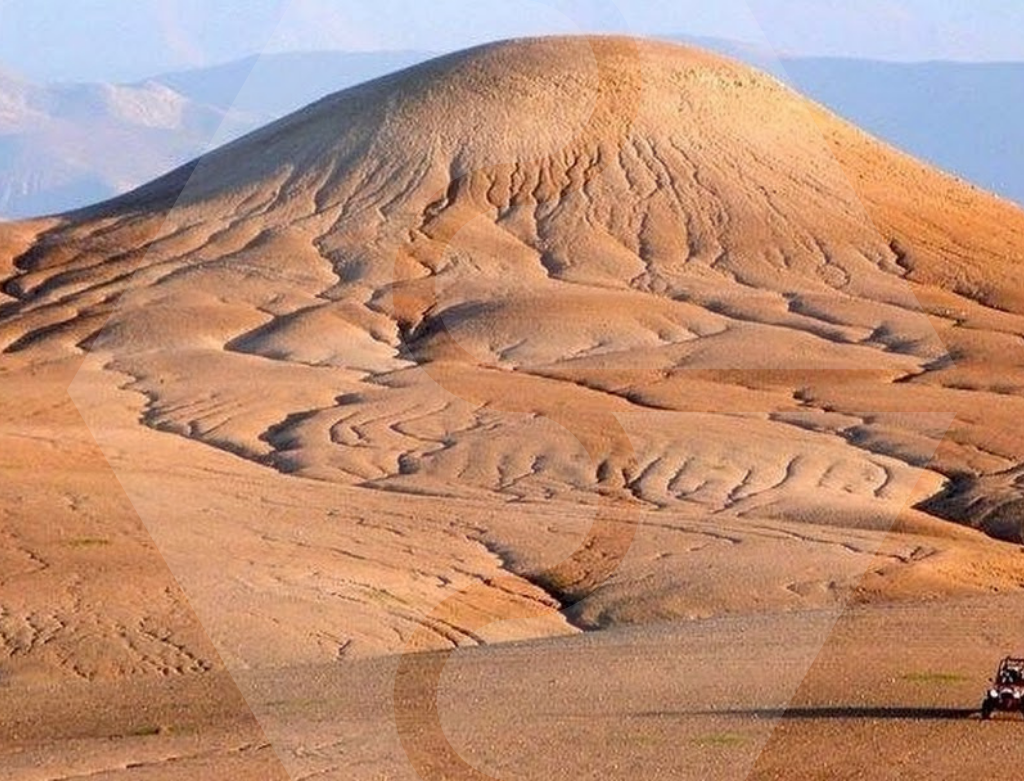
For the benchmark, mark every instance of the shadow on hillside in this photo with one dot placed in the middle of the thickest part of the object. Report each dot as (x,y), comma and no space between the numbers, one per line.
(837,712)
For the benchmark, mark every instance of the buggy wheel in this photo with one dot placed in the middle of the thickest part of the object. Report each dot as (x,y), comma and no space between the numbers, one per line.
(986,710)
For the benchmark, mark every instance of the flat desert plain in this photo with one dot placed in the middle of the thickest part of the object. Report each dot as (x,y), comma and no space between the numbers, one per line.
(562,408)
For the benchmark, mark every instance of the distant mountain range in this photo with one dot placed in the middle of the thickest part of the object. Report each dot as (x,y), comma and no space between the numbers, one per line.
(64,146)
(68,145)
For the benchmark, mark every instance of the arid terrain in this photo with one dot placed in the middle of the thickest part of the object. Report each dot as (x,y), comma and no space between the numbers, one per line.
(324,456)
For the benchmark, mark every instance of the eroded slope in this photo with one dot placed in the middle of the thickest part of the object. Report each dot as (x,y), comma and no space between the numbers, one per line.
(547,279)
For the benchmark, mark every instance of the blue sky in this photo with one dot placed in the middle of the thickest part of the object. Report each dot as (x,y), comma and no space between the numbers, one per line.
(131,39)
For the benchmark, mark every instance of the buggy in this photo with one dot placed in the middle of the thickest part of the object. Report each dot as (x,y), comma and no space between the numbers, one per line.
(1007,692)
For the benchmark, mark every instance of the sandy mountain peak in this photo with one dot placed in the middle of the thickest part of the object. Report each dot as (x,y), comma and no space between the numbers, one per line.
(575,273)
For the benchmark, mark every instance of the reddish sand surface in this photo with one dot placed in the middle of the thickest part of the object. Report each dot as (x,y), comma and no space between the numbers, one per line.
(563,408)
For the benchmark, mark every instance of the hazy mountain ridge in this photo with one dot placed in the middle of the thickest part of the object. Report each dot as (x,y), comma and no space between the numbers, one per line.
(69,145)
(64,146)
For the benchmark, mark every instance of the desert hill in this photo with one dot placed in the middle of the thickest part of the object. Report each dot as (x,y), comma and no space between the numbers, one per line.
(548,335)
(66,145)
(444,320)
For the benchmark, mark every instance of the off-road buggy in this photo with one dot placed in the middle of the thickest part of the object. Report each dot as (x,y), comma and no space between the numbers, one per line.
(1007,692)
